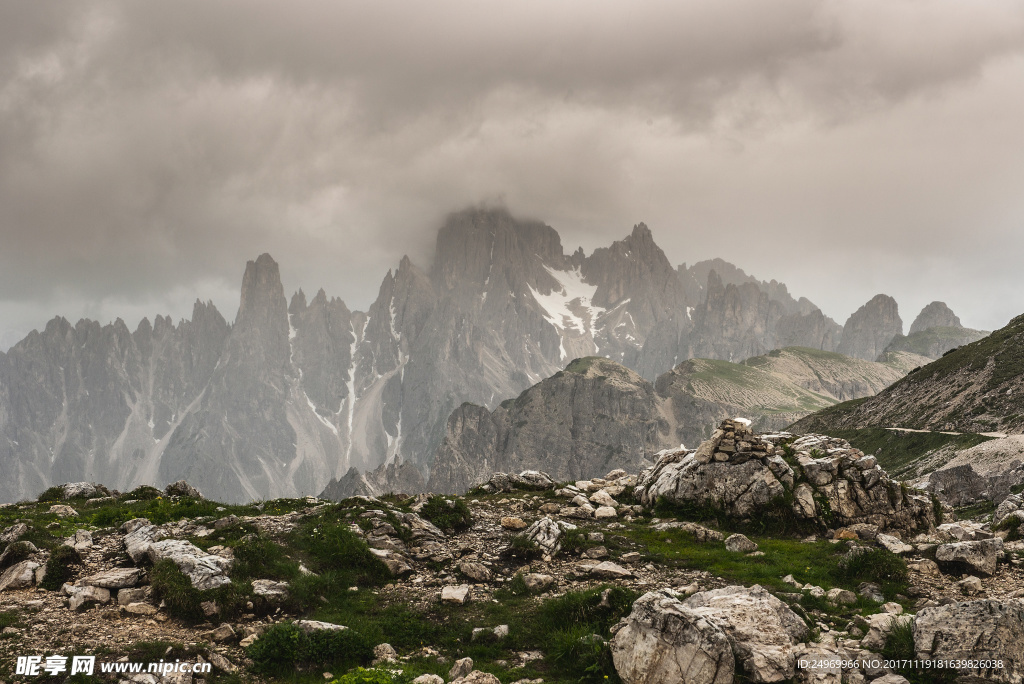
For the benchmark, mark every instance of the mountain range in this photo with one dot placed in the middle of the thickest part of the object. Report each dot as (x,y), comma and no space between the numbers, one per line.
(295,394)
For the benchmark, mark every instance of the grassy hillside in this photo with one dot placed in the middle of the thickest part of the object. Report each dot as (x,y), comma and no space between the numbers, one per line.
(978,387)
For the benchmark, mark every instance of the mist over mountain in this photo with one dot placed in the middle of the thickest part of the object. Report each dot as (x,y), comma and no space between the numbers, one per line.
(295,394)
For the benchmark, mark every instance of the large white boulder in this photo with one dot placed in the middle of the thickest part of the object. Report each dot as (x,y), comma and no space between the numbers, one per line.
(664,641)
(204,570)
(762,630)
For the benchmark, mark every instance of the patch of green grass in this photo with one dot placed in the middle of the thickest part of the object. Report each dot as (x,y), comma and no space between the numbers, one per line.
(776,518)
(284,646)
(9,618)
(522,548)
(976,510)
(60,567)
(448,513)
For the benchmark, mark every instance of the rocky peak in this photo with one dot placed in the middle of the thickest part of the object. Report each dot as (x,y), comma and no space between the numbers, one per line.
(935,315)
(298,303)
(870,329)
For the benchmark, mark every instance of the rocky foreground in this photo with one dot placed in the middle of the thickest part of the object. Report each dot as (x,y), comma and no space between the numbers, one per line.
(762,558)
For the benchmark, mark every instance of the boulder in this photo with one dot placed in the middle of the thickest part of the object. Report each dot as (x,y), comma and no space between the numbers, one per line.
(664,641)
(980,630)
(893,544)
(979,556)
(739,543)
(428,679)
(1011,505)
(182,488)
(138,540)
(19,575)
(762,630)
(547,533)
(841,597)
(16,552)
(204,570)
(118,578)
(83,597)
(13,533)
(80,541)
(742,476)
(605,512)
(140,595)
(79,490)
(878,626)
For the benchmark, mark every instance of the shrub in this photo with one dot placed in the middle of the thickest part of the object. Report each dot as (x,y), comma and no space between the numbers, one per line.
(522,547)
(59,568)
(51,494)
(258,557)
(284,646)
(874,565)
(374,676)
(144,493)
(333,547)
(172,587)
(584,653)
(448,514)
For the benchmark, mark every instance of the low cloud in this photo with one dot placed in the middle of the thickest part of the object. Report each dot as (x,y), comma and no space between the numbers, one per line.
(148,149)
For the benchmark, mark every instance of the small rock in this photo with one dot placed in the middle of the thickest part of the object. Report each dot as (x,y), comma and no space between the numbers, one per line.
(428,679)
(536,581)
(610,570)
(140,609)
(605,512)
(63,511)
(461,668)
(512,523)
(118,578)
(871,591)
(310,626)
(739,543)
(455,594)
(222,663)
(843,597)
(210,608)
(477,677)
(270,590)
(182,488)
(892,608)
(223,634)
(970,585)
(596,552)
(893,544)
(126,596)
(384,653)
(478,572)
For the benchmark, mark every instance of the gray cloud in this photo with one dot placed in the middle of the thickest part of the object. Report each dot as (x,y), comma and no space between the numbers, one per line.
(148,149)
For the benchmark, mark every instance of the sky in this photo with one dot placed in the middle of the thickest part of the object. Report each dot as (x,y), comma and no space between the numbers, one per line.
(149,149)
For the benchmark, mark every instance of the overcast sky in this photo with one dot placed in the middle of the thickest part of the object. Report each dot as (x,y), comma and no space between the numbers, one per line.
(148,149)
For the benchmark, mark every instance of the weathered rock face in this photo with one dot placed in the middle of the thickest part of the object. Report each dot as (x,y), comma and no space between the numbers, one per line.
(974,631)
(935,315)
(664,641)
(578,424)
(761,629)
(388,478)
(870,329)
(740,473)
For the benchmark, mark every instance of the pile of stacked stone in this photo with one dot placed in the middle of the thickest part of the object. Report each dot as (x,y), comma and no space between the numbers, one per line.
(741,473)
(595,498)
